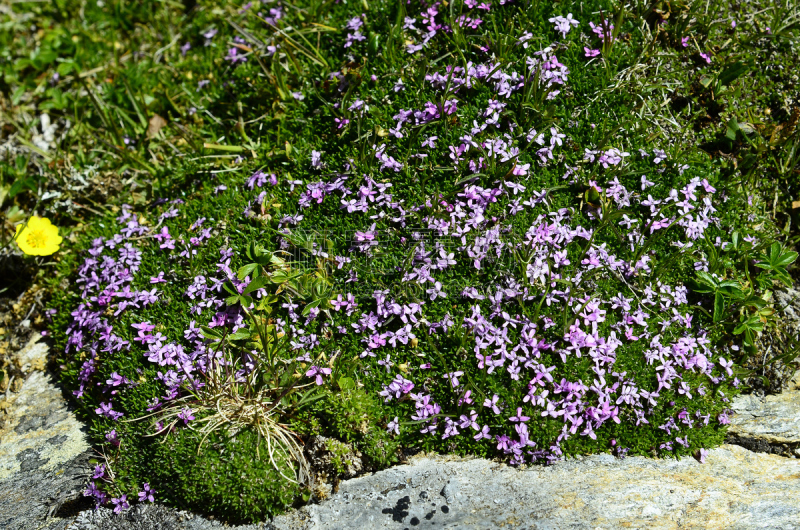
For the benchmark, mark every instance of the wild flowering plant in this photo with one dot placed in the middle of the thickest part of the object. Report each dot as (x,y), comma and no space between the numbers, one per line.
(38,237)
(501,277)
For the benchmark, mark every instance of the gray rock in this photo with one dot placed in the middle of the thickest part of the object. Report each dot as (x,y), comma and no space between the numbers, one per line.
(39,432)
(148,517)
(33,356)
(43,457)
(776,362)
(450,490)
(734,489)
(768,424)
(787,302)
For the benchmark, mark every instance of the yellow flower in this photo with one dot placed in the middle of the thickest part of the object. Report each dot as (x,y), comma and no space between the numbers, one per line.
(38,237)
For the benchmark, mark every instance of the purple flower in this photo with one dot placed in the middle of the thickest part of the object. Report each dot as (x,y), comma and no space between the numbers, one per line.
(120,504)
(116,379)
(316,159)
(726,365)
(466,398)
(94,491)
(111,437)
(106,410)
(393,425)
(147,494)
(208,35)
(563,25)
(398,387)
(316,372)
(453,377)
(186,414)
(234,56)
(492,404)
(483,433)
(519,418)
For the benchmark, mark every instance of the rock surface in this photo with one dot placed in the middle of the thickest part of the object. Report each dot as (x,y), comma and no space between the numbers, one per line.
(768,424)
(43,453)
(40,433)
(148,517)
(735,488)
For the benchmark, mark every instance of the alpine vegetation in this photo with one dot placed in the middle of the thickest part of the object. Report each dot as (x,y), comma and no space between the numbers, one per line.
(453,242)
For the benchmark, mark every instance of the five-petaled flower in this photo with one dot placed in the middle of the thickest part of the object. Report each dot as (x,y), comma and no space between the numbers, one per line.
(38,237)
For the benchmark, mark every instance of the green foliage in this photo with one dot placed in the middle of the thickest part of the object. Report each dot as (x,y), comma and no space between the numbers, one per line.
(339,455)
(225,478)
(246,119)
(741,294)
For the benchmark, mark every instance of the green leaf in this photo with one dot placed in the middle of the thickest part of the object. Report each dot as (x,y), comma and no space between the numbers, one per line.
(347,383)
(311,305)
(786,258)
(232,300)
(66,68)
(239,335)
(719,306)
(282,276)
(733,72)
(748,337)
(266,302)
(735,235)
(784,277)
(705,283)
(730,289)
(246,270)
(256,284)
(21,185)
(16,97)
(210,333)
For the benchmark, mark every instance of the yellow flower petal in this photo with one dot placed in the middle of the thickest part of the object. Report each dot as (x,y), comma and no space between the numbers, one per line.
(38,237)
